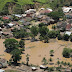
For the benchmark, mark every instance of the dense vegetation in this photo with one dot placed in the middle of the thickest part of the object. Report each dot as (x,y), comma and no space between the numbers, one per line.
(67,52)
(18,5)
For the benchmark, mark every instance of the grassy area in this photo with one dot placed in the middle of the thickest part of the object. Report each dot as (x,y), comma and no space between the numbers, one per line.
(42,1)
(20,2)
(11,71)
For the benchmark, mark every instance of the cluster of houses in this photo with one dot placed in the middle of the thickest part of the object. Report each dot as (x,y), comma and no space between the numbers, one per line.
(30,15)
(7,23)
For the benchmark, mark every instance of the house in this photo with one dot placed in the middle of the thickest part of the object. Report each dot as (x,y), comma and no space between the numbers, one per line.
(45,11)
(5,18)
(27,24)
(67,9)
(44,21)
(2,70)
(10,24)
(3,63)
(49,9)
(30,10)
(68,33)
(43,67)
(24,15)
(18,15)
(0,29)
(61,25)
(34,68)
(67,70)
(68,27)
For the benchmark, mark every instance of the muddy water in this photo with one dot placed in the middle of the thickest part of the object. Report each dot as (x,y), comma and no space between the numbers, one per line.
(50,26)
(38,50)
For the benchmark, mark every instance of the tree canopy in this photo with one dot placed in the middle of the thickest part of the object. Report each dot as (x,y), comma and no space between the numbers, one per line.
(11,44)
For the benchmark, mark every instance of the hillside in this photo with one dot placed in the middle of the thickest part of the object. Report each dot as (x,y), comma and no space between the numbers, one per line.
(19,6)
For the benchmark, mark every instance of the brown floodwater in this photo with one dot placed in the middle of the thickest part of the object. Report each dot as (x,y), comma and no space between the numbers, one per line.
(37,50)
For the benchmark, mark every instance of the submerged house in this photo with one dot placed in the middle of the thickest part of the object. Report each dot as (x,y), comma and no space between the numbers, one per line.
(3,63)
(68,27)
(61,25)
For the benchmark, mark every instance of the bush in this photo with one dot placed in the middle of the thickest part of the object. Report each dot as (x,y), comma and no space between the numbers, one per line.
(59,37)
(71,37)
(66,37)
(66,52)
(52,34)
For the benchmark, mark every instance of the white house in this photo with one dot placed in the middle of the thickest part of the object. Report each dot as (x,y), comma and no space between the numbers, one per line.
(49,9)
(68,33)
(11,24)
(30,10)
(67,9)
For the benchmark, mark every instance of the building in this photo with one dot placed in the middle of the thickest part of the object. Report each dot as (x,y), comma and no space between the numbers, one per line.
(2,70)
(68,27)
(68,33)
(6,18)
(67,9)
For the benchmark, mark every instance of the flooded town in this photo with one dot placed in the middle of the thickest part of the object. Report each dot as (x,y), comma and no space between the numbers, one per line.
(36,36)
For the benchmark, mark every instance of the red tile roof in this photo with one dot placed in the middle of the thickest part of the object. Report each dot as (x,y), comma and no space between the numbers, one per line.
(5,18)
(45,11)
(68,27)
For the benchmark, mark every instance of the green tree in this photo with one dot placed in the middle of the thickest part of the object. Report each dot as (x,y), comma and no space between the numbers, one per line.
(41,24)
(54,27)
(43,31)
(34,31)
(58,62)
(66,52)
(51,52)
(50,59)
(46,39)
(59,37)
(52,34)
(16,55)
(66,37)
(71,37)
(56,15)
(10,45)
(44,61)
(27,59)
(21,44)
(20,33)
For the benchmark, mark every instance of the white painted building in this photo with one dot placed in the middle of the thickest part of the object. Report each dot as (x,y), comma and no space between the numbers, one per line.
(68,33)
(67,9)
